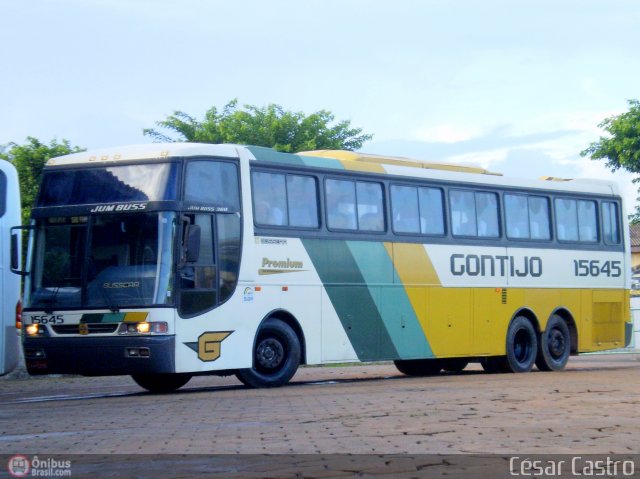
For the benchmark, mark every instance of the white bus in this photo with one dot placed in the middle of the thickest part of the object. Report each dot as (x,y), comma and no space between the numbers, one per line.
(166,261)
(9,283)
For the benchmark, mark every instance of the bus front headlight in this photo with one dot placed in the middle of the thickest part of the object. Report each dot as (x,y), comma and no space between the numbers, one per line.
(160,327)
(33,330)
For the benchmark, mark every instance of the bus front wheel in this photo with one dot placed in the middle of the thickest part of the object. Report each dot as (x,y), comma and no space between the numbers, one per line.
(554,345)
(161,383)
(276,356)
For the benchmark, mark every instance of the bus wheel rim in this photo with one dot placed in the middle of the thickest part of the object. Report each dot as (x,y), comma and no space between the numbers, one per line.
(556,343)
(269,353)
(522,346)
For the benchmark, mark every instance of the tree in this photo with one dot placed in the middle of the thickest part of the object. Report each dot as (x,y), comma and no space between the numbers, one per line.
(621,148)
(269,126)
(29,159)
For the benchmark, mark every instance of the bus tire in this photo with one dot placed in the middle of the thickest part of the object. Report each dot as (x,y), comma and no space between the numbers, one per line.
(276,356)
(418,367)
(454,365)
(554,345)
(161,383)
(522,346)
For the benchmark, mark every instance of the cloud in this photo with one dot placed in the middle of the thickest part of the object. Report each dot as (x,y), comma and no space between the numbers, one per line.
(489,145)
(446,134)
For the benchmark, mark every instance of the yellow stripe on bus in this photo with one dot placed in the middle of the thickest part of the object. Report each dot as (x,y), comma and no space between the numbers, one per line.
(348,159)
(136,317)
(417,274)
(360,166)
(473,321)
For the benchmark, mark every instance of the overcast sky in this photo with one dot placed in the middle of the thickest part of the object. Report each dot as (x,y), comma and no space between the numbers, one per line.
(516,86)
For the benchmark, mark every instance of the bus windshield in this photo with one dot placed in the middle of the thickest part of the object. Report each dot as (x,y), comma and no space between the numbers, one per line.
(145,182)
(106,261)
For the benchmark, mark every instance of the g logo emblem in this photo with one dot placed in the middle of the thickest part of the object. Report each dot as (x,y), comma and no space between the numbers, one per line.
(209,345)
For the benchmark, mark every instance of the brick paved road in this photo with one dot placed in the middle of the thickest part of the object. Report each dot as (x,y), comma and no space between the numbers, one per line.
(592,407)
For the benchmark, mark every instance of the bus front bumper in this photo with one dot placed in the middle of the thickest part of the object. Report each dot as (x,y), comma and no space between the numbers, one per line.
(103,356)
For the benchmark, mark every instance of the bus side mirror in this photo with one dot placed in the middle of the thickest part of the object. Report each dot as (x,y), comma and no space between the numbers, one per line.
(192,243)
(15,250)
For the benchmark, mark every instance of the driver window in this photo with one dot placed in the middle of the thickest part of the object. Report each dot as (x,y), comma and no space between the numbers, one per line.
(198,279)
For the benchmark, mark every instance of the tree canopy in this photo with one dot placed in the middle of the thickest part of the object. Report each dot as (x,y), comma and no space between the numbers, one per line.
(270,126)
(621,147)
(29,159)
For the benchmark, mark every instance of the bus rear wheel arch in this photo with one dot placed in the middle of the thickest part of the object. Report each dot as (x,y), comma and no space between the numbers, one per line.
(554,345)
(276,356)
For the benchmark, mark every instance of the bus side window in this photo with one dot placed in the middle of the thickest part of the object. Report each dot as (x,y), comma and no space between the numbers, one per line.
(576,220)
(404,209)
(269,198)
(487,211)
(463,213)
(587,221)
(370,210)
(341,204)
(474,213)
(527,217)
(539,218)
(566,219)
(431,211)
(302,201)
(610,227)
(516,214)
(417,210)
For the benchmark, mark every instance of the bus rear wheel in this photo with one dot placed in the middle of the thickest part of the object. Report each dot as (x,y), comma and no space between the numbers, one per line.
(276,356)
(522,349)
(522,346)
(418,367)
(161,383)
(554,345)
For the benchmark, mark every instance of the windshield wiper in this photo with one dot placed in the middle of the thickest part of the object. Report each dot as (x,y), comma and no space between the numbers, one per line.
(112,305)
(51,301)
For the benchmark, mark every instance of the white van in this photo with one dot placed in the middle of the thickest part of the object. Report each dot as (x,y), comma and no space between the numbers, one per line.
(10,305)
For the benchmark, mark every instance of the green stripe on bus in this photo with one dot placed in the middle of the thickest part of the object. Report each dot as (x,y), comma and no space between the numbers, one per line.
(272,156)
(102,318)
(351,299)
(267,154)
(391,299)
